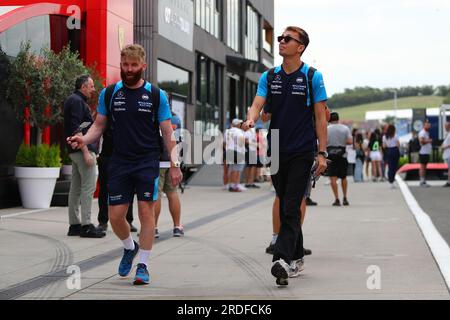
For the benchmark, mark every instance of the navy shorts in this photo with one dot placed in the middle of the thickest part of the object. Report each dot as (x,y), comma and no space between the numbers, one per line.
(127,179)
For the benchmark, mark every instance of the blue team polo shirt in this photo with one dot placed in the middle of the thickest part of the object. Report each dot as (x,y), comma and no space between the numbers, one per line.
(291,107)
(134,134)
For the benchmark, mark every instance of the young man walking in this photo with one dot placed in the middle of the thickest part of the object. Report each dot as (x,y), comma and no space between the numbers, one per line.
(300,124)
(136,118)
(339,137)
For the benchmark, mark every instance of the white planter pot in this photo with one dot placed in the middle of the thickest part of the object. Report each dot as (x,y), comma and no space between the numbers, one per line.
(36,186)
(66,171)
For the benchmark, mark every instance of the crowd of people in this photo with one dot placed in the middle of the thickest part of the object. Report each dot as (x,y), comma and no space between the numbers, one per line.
(374,155)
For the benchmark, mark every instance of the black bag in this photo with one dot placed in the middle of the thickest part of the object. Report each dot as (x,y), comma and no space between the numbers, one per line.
(336,152)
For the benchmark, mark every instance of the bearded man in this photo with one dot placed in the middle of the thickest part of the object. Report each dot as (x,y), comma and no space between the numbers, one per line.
(137,110)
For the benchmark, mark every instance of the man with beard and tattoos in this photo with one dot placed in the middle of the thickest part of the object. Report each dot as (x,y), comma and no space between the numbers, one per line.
(136,110)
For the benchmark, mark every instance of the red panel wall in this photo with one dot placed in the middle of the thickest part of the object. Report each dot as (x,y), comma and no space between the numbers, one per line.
(119,17)
(102,20)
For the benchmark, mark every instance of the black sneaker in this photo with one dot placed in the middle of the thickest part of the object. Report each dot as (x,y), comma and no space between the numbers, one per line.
(90,231)
(345,202)
(337,203)
(133,228)
(270,249)
(74,230)
(309,202)
(178,232)
(307,252)
(254,186)
(103,227)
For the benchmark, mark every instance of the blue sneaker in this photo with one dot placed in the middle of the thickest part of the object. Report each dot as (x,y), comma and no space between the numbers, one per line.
(142,275)
(126,264)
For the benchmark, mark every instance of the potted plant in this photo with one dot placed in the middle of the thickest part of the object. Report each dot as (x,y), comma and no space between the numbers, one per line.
(37,87)
(37,169)
(66,169)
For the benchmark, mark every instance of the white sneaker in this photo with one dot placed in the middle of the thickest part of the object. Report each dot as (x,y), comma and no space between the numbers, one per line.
(241,187)
(296,267)
(281,270)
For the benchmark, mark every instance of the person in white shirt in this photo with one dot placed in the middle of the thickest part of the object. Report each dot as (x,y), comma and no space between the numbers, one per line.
(251,159)
(446,147)
(235,155)
(391,145)
(425,152)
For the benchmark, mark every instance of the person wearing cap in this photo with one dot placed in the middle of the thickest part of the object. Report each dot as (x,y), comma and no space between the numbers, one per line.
(289,98)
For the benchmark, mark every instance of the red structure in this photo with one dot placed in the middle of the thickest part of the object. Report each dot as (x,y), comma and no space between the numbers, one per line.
(105,26)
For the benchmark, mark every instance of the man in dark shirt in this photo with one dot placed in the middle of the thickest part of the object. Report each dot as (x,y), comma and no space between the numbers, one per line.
(288,97)
(77,112)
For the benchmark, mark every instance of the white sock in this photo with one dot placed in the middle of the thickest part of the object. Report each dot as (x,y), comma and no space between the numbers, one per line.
(144,256)
(274,238)
(128,243)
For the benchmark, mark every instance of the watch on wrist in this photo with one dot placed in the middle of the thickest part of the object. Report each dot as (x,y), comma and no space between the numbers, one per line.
(175,164)
(324,154)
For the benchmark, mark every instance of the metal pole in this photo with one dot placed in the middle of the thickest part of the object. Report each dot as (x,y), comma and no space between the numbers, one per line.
(395,107)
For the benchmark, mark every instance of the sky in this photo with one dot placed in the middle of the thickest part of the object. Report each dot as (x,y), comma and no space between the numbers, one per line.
(383,43)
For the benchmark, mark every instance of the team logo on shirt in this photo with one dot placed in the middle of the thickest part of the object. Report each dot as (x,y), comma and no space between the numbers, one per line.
(299,80)
(120,94)
(145,97)
(277,77)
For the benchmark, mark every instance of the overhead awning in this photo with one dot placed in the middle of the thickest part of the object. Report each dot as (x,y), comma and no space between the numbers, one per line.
(239,65)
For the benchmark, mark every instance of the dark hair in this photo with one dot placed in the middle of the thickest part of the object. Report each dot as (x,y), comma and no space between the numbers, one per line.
(304,37)
(81,80)
(390,133)
(334,117)
(359,138)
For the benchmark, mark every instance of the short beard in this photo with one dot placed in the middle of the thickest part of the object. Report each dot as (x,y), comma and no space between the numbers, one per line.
(136,77)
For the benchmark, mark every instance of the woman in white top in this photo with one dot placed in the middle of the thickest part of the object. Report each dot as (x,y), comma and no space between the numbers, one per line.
(391,145)
(446,147)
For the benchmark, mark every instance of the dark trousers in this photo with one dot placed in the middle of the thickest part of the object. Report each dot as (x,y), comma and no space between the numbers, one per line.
(103,217)
(290,184)
(392,157)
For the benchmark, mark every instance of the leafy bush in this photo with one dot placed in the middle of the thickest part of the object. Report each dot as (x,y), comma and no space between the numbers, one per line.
(403,160)
(65,157)
(41,156)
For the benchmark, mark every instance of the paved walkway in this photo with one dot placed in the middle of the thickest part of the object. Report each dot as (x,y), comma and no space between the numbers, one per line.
(370,250)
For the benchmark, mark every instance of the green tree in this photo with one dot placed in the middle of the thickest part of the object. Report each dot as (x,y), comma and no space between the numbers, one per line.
(447,99)
(44,81)
(5,66)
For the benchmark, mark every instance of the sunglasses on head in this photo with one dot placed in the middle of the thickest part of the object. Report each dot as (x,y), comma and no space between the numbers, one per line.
(287,39)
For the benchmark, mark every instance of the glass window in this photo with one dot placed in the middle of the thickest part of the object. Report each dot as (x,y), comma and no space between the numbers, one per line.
(173,79)
(252,35)
(233,24)
(208,96)
(36,30)
(268,37)
(208,16)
